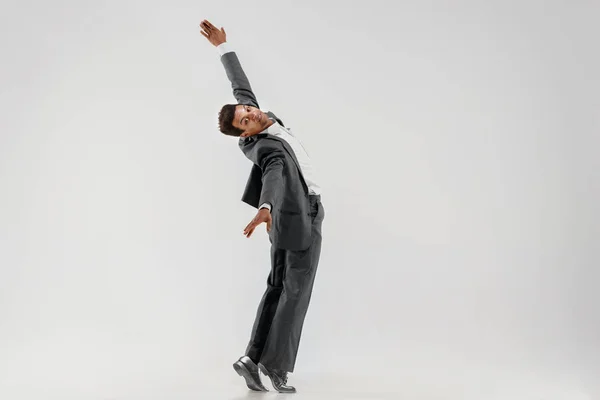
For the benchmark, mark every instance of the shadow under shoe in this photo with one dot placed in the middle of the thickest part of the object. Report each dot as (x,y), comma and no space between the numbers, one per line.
(278,379)
(246,368)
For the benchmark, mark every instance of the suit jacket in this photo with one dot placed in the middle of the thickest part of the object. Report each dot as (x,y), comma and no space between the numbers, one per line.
(275,177)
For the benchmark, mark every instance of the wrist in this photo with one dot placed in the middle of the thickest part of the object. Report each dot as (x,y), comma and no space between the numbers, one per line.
(224,48)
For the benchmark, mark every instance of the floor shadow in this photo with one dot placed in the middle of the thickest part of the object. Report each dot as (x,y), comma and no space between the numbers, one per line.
(251,395)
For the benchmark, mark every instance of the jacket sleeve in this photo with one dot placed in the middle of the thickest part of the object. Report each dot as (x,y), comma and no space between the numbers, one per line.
(271,161)
(239,82)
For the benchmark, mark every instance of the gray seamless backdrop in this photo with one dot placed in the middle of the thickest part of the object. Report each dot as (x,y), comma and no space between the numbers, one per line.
(457,146)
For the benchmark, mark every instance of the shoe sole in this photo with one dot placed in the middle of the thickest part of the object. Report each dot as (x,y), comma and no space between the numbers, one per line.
(242,371)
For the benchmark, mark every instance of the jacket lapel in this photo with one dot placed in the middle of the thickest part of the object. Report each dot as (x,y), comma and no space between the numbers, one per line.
(246,144)
(271,115)
(243,142)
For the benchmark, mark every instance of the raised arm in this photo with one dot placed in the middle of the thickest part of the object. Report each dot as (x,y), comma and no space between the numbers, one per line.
(239,82)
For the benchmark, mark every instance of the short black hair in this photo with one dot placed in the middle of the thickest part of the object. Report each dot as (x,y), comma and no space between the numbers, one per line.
(226,116)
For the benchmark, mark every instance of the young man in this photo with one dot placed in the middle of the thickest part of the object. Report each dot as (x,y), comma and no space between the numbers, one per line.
(282,186)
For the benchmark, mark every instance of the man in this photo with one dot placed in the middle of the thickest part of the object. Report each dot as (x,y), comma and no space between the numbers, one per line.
(282,187)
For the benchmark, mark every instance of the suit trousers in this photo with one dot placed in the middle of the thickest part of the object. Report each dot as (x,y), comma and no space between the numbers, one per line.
(278,324)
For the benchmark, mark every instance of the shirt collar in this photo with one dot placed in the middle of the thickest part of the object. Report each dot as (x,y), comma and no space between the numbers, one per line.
(274,128)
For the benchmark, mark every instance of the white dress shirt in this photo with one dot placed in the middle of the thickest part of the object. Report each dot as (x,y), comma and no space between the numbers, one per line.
(306,167)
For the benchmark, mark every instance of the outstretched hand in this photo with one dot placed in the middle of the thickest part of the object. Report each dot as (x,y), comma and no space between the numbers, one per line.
(214,35)
(263,215)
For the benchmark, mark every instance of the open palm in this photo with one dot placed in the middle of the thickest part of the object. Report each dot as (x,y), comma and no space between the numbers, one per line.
(214,35)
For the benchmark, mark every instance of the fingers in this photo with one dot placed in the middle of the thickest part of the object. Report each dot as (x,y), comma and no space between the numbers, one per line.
(253,224)
(204,30)
(211,32)
(250,227)
(207,25)
(257,220)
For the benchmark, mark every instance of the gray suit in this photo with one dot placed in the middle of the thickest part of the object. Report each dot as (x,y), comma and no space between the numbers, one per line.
(295,236)
(275,177)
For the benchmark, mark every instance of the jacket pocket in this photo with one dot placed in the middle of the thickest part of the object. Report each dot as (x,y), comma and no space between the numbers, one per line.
(289,212)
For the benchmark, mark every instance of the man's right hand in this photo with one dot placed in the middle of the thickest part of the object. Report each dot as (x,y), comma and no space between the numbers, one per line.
(214,35)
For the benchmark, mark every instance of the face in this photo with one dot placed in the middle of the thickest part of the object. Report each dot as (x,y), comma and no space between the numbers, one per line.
(251,119)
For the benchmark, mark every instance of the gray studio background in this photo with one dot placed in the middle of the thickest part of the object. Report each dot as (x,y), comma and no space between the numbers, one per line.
(456,144)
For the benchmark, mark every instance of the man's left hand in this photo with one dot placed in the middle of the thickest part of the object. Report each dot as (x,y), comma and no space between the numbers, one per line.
(263,215)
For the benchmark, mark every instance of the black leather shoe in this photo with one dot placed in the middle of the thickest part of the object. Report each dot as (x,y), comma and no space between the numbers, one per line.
(278,379)
(246,368)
